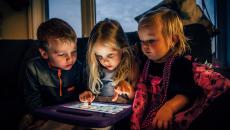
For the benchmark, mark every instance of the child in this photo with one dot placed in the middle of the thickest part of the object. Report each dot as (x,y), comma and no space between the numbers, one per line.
(56,76)
(166,86)
(111,64)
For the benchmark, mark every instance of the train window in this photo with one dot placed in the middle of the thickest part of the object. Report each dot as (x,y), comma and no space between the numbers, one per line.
(68,10)
(123,11)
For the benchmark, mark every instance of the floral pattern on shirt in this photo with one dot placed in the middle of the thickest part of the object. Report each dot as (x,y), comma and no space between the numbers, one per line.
(213,84)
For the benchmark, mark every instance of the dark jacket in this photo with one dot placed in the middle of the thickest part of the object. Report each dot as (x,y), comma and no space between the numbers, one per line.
(46,86)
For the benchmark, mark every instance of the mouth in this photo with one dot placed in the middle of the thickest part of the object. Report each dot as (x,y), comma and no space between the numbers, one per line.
(69,65)
(147,53)
(108,67)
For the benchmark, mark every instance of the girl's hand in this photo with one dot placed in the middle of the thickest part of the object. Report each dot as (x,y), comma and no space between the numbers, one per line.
(163,118)
(123,87)
(86,96)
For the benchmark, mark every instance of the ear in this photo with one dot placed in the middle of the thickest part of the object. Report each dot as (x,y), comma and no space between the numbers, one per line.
(43,53)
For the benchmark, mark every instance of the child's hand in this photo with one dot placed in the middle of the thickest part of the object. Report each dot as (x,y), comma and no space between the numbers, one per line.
(123,87)
(86,96)
(163,118)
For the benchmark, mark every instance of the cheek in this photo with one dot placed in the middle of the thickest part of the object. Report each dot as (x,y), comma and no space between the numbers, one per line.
(117,61)
(75,58)
(54,61)
(164,49)
(57,60)
(155,46)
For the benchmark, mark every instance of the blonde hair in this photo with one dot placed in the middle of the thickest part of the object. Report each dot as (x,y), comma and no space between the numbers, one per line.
(110,33)
(171,26)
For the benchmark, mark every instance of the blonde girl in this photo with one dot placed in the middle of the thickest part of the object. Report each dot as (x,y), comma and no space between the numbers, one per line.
(112,68)
(166,86)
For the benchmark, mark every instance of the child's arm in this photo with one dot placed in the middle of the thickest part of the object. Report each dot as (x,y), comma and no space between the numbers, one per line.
(164,116)
(31,90)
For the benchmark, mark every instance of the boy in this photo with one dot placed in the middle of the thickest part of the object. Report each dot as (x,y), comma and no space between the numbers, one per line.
(56,76)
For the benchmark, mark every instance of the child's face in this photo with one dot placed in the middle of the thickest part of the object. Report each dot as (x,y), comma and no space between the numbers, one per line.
(61,55)
(153,44)
(108,57)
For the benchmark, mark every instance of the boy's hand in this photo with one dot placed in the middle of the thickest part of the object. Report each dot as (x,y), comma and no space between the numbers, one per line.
(123,87)
(163,118)
(86,96)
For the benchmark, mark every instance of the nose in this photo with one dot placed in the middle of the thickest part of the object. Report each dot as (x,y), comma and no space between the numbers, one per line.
(145,46)
(69,58)
(105,62)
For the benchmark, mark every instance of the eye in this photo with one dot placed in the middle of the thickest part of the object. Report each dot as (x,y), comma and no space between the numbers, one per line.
(151,41)
(61,54)
(99,58)
(110,56)
(74,53)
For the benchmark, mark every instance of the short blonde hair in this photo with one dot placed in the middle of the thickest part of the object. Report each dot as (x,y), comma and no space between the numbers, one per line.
(171,26)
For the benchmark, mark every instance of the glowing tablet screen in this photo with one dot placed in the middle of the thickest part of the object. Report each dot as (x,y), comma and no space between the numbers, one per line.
(99,107)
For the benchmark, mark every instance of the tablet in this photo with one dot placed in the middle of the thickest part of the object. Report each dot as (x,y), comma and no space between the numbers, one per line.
(108,108)
(97,115)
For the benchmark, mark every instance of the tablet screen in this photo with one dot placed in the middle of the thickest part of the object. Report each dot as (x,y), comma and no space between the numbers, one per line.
(99,107)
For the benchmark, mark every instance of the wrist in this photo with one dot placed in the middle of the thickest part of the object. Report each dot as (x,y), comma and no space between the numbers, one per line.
(177,103)
(169,106)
